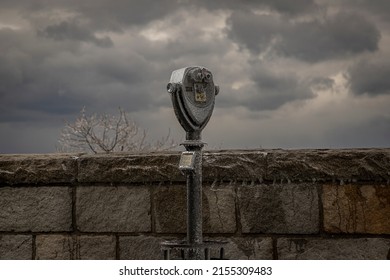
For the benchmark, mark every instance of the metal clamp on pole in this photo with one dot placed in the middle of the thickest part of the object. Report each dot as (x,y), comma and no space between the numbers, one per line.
(193,92)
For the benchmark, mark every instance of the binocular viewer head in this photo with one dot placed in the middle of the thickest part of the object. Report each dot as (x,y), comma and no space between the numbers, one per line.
(193,94)
(199,74)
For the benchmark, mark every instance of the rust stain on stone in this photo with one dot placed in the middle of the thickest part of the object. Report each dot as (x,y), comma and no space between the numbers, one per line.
(383,195)
(356,209)
(356,204)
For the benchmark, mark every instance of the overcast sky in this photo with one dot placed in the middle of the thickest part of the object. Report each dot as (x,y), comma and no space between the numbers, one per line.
(292,74)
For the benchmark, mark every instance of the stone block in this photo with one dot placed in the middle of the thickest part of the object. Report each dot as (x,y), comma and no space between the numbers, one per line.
(96,247)
(38,169)
(35,209)
(71,247)
(140,248)
(234,166)
(246,248)
(329,165)
(333,249)
(218,206)
(129,168)
(279,209)
(15,247)
(55,247)
(356,209)
(170,209)
(219,209)
(113,209)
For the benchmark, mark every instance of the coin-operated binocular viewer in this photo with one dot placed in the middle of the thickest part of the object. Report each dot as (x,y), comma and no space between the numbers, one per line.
(193,92)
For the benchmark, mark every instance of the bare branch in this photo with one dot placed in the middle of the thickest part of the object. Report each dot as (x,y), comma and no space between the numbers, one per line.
(105,133)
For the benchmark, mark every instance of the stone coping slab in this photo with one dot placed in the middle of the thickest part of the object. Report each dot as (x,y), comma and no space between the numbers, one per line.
(310,165)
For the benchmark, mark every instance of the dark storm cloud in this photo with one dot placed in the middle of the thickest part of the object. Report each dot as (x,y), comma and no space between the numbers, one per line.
(108,14)
(277,89)
(291,7)
(23,74)
(312,41)
(252,31)
(375,7)
(281,6)
(370,77)
(24,78)
(113,15)
(53,60)
(340,35)
(100,14)
(45,77)
(269,90)
(39,67)
(73,31)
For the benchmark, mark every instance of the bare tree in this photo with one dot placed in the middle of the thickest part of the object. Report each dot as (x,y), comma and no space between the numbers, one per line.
(107,133)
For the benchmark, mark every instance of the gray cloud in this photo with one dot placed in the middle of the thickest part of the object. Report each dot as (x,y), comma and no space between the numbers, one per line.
(312,41)
(252,31)
(370,77)
(74,31)
(276,89)
(47,77)
(269,90)
(291,7)
(100,14)
(379,8)
(24,76)
(281,6)
(340,35)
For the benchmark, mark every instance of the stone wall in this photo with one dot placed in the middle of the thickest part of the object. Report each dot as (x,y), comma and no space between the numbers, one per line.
(268,204)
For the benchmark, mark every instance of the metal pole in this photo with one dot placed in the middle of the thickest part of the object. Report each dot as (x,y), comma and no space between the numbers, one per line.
(194,197)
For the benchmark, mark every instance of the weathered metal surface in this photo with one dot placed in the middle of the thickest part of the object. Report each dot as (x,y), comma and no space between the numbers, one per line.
(202,250)
(194,202)
(193,93)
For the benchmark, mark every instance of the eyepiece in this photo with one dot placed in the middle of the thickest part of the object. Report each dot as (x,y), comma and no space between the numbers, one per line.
(171,87)
(196,74)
